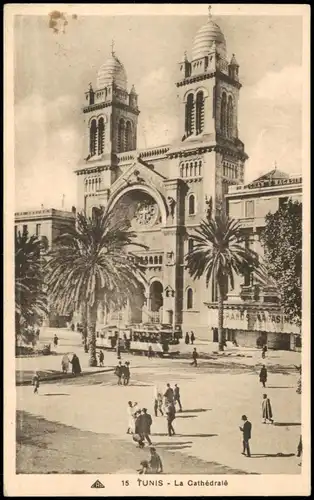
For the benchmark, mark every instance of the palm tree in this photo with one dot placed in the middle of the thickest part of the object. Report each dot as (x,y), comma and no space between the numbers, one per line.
(91,263)
(218,255)
(30,296)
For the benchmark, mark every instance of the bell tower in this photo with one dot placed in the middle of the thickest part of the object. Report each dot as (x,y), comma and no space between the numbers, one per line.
(208,87)
(110,115)
(110,112)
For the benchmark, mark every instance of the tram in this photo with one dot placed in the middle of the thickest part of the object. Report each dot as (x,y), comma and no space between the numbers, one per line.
(160,339)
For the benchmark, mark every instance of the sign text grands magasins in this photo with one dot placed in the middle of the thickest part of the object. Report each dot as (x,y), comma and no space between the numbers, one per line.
(260,316)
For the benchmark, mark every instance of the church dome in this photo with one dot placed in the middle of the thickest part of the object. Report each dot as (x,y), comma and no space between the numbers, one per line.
(206,36)
(112,71)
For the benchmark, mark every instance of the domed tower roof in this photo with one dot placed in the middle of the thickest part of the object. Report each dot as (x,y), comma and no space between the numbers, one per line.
(206,36)
(112,71)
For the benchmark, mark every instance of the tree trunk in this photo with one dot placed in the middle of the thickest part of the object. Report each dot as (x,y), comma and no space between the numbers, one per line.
(84,326)
(221,335)
(91,327)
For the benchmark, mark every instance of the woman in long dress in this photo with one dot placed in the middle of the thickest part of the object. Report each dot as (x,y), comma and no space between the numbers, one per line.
(132,409)
(76,367)
(65,364)
(267,410)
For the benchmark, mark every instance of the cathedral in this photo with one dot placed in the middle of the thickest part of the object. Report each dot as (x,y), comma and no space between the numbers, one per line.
(166,190)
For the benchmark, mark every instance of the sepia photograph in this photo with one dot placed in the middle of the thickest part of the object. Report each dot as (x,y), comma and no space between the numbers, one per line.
(157,282)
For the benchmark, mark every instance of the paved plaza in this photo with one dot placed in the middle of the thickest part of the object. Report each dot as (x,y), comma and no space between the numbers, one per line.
(92,410)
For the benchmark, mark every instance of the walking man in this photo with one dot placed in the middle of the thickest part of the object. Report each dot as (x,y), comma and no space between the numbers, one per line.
(192,338)
(194,357)
(169,395)
(263,376)
(264,350)
(126,373)
(157,402)
(146,422)
(246,432)
(138,436)
(171,415)
(118,372)
(267,410)
(177,397)
(36,380)
(55,340)
(101,358)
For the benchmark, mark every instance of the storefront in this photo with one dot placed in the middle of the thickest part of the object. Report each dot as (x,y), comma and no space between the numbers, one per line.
(252,326)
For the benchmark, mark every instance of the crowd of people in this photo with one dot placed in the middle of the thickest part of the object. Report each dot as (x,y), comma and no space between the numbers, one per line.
(166,402)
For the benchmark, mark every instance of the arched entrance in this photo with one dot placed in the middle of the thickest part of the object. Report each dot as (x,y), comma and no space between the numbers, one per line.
(156,301)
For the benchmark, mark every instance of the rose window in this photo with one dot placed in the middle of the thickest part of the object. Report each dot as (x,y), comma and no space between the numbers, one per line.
(146,213)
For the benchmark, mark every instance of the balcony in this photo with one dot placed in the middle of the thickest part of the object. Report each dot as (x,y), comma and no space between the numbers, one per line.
(255,293)
(151,260)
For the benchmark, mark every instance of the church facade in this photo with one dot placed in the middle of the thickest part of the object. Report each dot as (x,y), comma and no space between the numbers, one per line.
(166,191)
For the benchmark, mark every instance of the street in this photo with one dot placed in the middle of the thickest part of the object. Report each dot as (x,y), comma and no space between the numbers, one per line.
(208,440)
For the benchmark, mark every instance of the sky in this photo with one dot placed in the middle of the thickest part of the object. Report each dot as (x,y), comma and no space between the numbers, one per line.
(53,70)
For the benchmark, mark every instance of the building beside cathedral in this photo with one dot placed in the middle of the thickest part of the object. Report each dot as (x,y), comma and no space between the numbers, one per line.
(46,224)
(167,190)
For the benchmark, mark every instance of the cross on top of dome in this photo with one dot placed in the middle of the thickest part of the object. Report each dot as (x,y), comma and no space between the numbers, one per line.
(209,11)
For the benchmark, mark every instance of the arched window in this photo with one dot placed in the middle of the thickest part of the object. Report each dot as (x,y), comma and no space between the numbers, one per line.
(92,137)
(223,114)
(189,115)
(101,136)
(200,168)
(191,204)
(128,137)
(199,112)
(190,245)
(189,298)
(230,117)
(191,169)
(121,136)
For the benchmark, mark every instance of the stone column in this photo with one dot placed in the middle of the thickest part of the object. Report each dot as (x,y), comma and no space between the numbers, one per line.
(146,307)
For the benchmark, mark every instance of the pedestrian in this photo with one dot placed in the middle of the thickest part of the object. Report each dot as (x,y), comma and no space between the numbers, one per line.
(158,402)
(177,397)
(72,327)
(267,410)
(187,338)
(155,463)
(126,373)
(300,450)
(138,436)
(65,363)
(76,366)
(263,376)
(118,348)
(150,352)
(101,358)
(192,338)
(145,469)
(55,340)
(132,410)
(169,395)
(36,381)
(246,430)
(194,357)
(146,423)
(171,415)
(37,333)
(264,350)
(118,372)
